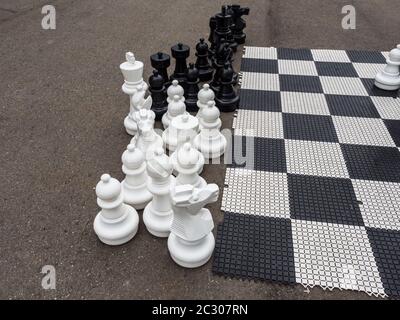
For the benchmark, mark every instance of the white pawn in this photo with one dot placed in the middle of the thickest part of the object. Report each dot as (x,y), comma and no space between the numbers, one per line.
(134,186)
(157,215)
(147,140)
(191,242)
(137,103)
(181,129)
(175,89)
(389,77)
(188,164)
(204,96)
(210,141)
(175,108)
(116,223)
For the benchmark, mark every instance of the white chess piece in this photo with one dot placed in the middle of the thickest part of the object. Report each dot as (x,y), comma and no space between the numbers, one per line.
(389,77)
(147,140)
(134,187)
(138,102)
(181,128)
(188,164)
(204,96)
(175,108)
(210,141)
(157,215)
(175,89)
(116,223)
(191,242)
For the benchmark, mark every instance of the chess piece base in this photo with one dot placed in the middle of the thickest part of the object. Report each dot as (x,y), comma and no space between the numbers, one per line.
(205,75)
(158,225)
(119,231)
(191,254)
(130,126)
(386,82)
(138,196)
(227,106)
(210,149)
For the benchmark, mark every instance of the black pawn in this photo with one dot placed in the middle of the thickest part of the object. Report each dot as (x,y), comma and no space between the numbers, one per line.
(192,88)
(202,62)
(223,29)
(238,23)
(158,94)
(180,52)
(227,100)
(161,61)
(211,37)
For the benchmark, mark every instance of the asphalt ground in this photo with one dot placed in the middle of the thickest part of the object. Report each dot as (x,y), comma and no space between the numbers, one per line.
(61,127)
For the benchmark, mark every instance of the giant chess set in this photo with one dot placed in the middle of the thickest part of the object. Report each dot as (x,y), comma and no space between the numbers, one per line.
(317,204)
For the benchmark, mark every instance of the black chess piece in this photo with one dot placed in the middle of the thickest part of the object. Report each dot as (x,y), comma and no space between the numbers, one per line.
(211,37)
(222,55)
(227,100)
(223,30)
(202,62)
(238,23)
(192,88)
(158,94)
(180,52)
(161,61)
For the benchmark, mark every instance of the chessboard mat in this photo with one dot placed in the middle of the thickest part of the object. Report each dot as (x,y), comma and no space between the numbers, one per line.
(319,202)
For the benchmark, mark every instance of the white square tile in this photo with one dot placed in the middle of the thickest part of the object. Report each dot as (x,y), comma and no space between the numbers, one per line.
(368,70)
(297,67)
(315,158)
(261,53)
(330,55)
(363,131)
(262,124)
(343,86)
(388,108)
(260,81)
(334,254)
(303,102)
(256,192)
(380,203)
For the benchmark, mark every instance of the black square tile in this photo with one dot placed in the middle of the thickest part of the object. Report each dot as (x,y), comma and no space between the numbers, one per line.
(372,162)
(375,91)
(323,199)
(260,100)
(393,127)
(336,69)
(259,65)
(366,56)
(255,247)
(295,54)
(309,127)
(351,106)
(257,153)
(300,83)
(385,245)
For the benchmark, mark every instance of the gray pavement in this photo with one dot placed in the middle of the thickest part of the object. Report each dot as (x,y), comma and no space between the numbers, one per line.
(61,127)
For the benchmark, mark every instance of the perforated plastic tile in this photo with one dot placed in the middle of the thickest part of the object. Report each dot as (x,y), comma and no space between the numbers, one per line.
(330,55)
(388,108)
(366,56)
(343,86)
(260,53)
(368,70)
(351,106)
(309,127)
(297,67)
(294,54)
(258,124)
(260,100)
(365,131)
(335,256)
(323,199)
(306,103)
(315,158)
(379,203)
(374,91)
(259,65)
(259,153)
(300,83)
(256,193)
(255,247)
(260,81)
(393,126)
(336,69)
